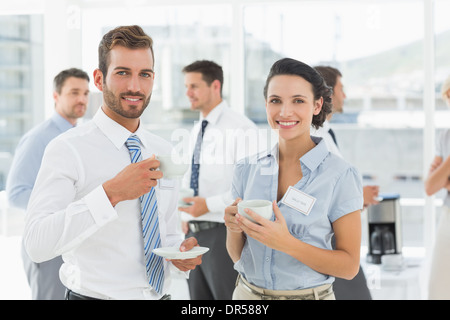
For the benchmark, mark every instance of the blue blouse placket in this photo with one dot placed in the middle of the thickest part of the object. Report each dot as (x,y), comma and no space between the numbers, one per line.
(269,275)
(268,252)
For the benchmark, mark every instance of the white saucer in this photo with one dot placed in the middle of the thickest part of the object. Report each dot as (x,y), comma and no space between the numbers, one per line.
(175,253)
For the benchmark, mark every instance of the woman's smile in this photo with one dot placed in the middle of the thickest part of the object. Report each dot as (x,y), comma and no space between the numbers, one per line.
(287,124)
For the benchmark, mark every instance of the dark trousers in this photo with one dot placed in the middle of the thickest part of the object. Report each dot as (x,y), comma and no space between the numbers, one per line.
(43,277)
(215,278)
(355,289)
(70,295)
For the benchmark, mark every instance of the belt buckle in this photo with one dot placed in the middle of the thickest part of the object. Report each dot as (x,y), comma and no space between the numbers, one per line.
(261,295)
(197,226)
(193,227)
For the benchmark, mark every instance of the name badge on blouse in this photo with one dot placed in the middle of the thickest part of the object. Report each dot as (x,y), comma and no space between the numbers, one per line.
(298,200)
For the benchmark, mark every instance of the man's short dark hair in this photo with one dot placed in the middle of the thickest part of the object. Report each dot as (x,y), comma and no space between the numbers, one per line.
(58,81)
(209,69)
(329,74)
(130,37)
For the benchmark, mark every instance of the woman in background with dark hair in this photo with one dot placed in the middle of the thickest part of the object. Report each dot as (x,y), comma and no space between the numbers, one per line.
(291,256)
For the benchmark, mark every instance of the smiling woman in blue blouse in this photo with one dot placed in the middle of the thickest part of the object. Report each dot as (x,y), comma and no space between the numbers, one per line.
(291,255)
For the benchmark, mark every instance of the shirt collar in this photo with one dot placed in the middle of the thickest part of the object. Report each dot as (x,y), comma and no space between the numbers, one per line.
(61,123)
(326,126)
(312,159)
(214,115)
(273,152)
(115,132)
(316,155)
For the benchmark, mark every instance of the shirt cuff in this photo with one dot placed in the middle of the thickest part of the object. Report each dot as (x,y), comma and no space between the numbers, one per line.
(216,204)
(100,207)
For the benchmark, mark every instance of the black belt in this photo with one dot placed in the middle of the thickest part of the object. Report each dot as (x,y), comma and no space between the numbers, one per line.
(197,226)
(70,295)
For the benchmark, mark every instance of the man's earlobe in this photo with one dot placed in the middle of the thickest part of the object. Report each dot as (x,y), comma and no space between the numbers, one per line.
(98,79)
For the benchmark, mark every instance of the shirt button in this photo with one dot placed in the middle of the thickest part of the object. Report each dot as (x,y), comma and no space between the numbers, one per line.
(267,259)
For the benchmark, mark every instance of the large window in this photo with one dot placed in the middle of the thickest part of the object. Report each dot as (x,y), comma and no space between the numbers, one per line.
(381,60)
(442,49)
(21,89)
(441,73)
(181,34)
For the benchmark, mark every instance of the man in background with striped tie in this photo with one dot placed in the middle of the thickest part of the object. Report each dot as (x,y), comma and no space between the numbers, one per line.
(98,199)
(218,143)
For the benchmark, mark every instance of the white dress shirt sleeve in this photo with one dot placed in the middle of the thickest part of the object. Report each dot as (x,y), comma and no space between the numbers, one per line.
(57,222)
(219,202)
(235,151)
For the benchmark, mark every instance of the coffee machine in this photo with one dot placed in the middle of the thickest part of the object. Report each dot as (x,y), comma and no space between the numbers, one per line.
(384,226)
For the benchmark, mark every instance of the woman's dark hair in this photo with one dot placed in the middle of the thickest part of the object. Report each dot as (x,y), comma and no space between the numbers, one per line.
(288,66)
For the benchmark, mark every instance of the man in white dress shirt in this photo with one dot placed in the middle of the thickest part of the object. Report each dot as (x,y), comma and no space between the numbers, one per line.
(223,144)
(85,205)
(334,77)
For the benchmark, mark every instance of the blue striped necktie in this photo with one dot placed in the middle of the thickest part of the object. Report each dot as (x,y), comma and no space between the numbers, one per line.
(196,158)
(150,225)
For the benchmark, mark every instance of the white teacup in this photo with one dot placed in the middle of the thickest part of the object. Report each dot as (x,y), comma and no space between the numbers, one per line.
(172,166)
(261,207)
(185,193)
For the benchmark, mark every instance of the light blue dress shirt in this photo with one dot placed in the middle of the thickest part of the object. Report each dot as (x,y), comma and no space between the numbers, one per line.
(337,187)
(28,157)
